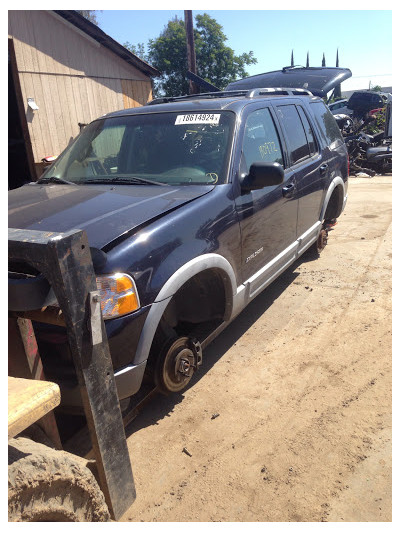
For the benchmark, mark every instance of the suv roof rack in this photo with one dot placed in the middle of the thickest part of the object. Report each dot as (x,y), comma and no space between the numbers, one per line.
(279,91)
(244,93)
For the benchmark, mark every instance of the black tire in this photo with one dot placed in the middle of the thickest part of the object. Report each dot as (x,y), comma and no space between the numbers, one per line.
(163,338)
(47,485)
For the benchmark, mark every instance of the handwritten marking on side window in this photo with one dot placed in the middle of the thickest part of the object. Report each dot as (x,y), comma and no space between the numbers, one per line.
(212,176)
(267,149)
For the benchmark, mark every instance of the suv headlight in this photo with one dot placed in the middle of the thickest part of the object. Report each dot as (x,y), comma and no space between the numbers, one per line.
(118,295)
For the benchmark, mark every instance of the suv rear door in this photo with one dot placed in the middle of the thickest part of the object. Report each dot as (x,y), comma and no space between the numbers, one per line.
(309,169)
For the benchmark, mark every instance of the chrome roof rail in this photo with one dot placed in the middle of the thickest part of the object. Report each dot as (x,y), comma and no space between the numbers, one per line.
(279,91)
(246,93)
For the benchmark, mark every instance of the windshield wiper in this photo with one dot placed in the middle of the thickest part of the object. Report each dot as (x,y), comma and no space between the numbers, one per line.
(55,179)
(124,180)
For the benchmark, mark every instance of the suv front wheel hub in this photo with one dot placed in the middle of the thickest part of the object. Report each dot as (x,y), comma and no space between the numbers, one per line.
(179,364)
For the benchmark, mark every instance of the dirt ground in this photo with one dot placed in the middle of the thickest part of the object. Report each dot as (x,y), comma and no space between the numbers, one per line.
(289,419)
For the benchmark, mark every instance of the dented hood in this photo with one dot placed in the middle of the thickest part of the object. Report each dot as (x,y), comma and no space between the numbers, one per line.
(104,212)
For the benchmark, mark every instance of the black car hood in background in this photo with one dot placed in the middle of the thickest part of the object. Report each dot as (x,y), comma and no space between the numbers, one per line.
(318,80)
(104,212)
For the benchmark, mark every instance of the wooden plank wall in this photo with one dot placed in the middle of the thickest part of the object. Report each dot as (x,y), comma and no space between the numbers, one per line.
(72,78)
(136,93)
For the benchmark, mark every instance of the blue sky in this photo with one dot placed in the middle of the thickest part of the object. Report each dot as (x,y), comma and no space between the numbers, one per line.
(364,37)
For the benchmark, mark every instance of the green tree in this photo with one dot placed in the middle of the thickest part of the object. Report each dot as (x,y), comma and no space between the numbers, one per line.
(90,15)
(216,62)
(137,49)
(168,54)
(376,88)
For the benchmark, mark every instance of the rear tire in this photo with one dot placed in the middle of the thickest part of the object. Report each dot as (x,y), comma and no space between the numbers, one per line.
(316,249)
(322,241)
(47,485)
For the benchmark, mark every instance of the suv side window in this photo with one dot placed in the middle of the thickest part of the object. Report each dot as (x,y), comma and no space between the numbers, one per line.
(296,136)
(312,143)
(260,141)
(326,124)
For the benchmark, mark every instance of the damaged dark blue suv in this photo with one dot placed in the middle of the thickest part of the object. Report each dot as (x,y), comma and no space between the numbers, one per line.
(192,207)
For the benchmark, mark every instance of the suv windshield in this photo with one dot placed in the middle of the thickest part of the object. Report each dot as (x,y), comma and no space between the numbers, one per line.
(160,148)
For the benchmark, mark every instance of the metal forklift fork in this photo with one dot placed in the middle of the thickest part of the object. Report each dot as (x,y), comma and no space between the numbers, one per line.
(65,260)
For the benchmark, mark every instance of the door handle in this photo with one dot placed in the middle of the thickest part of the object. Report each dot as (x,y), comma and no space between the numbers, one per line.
(289,190)
(323,168)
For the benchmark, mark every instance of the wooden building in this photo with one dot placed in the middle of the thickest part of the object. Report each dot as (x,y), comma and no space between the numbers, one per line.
(64,72)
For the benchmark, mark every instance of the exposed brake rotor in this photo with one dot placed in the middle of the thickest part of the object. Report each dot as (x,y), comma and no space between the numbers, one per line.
(322,240)
(182,358)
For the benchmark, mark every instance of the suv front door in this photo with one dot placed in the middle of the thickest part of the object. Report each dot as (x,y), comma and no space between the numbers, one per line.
(268,217)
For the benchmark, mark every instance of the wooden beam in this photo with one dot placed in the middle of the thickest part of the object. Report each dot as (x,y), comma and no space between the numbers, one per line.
(24,361)
(28,401)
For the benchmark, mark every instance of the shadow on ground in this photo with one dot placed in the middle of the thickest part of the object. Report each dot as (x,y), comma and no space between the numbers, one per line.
(161,406)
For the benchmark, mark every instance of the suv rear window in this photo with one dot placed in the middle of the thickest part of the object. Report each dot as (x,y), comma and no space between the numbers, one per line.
(326,124)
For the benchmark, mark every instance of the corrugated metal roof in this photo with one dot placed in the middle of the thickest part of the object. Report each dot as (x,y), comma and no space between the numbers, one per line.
(98,35)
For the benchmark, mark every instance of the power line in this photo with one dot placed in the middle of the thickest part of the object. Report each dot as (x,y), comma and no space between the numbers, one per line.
(371,75)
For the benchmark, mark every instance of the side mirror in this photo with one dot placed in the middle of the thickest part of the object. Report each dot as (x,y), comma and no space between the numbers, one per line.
(263,174)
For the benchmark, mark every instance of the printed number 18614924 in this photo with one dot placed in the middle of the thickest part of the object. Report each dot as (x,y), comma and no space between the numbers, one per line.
(198,118)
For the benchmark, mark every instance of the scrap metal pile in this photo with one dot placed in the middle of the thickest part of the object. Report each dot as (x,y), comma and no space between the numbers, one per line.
(368,153)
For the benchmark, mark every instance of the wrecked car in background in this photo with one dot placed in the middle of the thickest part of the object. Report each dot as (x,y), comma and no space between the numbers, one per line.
(361,102)
(368,133)
(339,107)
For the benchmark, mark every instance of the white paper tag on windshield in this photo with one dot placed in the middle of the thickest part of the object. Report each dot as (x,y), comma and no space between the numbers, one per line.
(198,118)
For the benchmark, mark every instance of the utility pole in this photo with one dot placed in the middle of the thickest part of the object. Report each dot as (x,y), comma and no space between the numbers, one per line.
(191,54)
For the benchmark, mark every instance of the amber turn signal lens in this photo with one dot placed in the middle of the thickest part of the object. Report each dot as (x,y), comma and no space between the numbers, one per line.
(118,295)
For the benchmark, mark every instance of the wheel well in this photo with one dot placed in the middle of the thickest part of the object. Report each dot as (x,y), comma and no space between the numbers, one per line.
(198,307)
(201,300)
(334,207)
